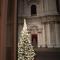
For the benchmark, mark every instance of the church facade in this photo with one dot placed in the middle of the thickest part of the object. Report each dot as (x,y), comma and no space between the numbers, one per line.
(43,21)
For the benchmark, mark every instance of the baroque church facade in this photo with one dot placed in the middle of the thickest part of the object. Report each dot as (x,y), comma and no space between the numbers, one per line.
(43,21)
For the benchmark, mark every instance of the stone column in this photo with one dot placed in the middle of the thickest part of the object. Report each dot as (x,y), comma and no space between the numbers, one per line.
(11,30)
(48,35)
(3,30)
(3,22)
(43,44)
(52,34)
(40,39)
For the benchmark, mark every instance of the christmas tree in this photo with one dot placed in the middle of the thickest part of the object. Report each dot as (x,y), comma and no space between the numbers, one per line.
(25,49)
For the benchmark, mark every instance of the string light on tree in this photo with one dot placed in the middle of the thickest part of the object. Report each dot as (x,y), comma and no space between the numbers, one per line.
(25,49)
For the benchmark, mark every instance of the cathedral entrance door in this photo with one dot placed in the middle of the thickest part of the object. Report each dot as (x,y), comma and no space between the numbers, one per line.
(34,40)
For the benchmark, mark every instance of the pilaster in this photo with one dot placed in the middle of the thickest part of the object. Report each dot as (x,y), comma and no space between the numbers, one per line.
(44,38)
(57,35)
(48,35)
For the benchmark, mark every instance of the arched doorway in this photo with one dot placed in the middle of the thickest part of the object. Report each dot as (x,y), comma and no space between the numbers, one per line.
(34,40)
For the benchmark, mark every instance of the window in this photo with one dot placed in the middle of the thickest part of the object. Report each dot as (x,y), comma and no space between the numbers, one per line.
(58,6)
(33,10)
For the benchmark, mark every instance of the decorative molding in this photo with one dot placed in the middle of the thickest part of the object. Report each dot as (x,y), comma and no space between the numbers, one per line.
(44,19)
(31,1)
(34,29)
(49,19)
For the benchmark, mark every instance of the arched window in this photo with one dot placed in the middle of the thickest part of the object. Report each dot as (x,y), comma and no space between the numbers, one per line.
(33,10)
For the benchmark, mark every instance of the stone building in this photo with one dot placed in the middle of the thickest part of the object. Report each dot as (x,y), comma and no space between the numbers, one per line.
(43,21)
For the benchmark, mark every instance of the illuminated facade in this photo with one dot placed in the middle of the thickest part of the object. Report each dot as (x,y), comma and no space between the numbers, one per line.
(43,21)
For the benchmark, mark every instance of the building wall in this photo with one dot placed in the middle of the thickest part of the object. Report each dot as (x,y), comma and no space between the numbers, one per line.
(46,21)
(44,7)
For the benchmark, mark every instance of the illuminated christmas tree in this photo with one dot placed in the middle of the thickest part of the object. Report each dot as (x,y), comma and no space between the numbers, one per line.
(25,49)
